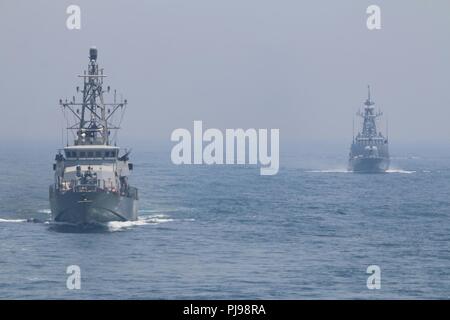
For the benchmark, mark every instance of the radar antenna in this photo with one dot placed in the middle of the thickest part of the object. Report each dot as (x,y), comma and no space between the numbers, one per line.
(93,124)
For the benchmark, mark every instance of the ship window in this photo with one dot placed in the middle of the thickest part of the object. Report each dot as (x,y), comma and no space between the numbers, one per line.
(98,154)
(113,154)
(82,154)
(106,154)
(90,154)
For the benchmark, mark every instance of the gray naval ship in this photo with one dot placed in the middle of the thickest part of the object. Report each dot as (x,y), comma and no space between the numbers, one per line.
(369,152)
(91,176)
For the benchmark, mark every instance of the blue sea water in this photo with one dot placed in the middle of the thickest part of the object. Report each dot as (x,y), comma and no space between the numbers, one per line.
(225,232)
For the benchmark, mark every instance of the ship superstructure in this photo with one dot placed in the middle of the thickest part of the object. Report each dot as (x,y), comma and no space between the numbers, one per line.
(369,150)
(91,175)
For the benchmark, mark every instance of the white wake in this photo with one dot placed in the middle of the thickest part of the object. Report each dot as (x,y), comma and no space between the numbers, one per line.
(13,220)
(400,171)
(142,221)
(329,171)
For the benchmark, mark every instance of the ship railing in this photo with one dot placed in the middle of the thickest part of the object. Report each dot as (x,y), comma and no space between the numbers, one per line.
(98,186)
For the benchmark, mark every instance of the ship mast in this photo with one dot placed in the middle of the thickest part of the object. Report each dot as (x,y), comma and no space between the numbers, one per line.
(93,125)
(369,115)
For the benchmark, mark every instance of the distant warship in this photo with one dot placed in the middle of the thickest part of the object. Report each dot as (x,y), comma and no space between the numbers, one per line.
(91,177)
(369,152)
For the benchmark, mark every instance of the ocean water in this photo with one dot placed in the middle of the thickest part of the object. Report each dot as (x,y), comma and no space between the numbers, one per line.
(225,232)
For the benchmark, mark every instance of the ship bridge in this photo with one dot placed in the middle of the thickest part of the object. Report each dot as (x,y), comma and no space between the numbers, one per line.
(91,152)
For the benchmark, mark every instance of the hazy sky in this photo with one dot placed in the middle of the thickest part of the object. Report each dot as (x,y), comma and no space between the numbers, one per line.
(300,66)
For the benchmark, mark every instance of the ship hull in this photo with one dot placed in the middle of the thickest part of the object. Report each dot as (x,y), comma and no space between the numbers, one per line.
(369,165)
(91,207)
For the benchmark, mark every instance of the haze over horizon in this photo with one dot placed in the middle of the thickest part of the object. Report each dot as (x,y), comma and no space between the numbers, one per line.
(300,67)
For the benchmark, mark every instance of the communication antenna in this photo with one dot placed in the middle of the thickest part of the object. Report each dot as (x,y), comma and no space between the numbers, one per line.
(353,128)
(62,130)
(387,127)
(368,102)
(94,122)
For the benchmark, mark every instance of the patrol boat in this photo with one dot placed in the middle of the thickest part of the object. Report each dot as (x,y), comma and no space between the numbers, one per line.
(91,176)
(369,151)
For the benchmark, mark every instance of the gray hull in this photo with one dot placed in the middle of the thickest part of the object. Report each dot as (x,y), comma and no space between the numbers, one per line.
(91,207)
(369,165)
